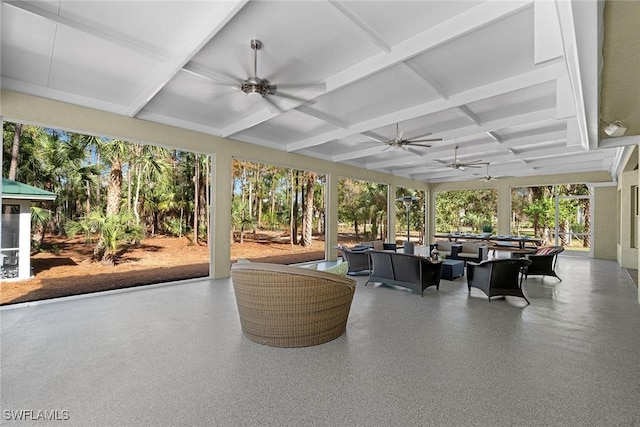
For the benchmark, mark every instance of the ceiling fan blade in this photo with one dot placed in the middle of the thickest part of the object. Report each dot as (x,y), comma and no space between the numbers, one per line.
(418,145)
(217,77)
(476,162)
(471,165)
(425,140)
(319,86)
(374,137)
(275,108)
(291,97)
(417,153)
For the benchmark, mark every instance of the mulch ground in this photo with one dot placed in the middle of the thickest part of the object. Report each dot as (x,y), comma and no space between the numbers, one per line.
(66,269)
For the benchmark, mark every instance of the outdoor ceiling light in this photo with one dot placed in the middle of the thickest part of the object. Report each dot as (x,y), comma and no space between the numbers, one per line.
(615,129)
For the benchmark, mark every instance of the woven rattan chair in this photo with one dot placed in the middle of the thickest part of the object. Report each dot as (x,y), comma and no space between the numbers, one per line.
(285,306)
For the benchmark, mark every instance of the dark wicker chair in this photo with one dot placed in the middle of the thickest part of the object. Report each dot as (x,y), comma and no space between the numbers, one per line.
(498,276)
(358,260)
(286,306)
(543,262)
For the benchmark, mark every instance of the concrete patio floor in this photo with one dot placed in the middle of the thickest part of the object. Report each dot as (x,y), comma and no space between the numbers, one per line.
(175,355)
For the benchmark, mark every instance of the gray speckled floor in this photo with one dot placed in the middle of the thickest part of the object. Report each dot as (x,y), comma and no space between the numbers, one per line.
(175,355)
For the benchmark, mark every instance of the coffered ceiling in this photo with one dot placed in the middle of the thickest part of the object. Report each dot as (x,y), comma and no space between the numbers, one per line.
(511,83)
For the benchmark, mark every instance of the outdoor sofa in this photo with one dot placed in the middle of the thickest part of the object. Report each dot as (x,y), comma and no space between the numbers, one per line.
(287,306)
(399,269)
(462,251)
(357,256)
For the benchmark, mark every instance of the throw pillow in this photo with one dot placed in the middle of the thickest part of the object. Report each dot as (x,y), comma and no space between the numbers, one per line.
(545,250)
(339,269)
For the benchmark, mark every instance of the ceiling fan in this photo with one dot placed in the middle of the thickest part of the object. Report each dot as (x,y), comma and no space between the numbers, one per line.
(487,177)
(257,87)
(399,142)
(462,165)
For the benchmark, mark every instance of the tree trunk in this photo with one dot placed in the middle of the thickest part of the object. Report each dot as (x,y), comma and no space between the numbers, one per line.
(196,198)
(307,232)
(114,188)
(586,237)
(15,152)
(294,213)
(208,198)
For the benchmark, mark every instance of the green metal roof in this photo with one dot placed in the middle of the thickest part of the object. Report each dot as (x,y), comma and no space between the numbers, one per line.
(17,190)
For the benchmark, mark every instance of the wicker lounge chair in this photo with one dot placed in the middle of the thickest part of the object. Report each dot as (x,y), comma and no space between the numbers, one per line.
(497,277)
(543,262)
(285,306)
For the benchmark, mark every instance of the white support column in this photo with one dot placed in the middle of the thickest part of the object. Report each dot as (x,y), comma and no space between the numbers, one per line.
(331,218)
(24,238)
(431,229)
(427,223)
(391,213)
(220,222)
(504,210)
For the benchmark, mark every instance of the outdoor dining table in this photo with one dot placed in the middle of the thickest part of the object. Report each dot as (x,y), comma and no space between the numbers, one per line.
(520,240)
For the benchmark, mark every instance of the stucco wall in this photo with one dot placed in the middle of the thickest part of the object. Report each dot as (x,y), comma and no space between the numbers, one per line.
(627,256)
(604,222)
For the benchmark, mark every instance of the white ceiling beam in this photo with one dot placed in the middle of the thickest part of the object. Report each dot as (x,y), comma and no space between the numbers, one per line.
(531,78)
(428,81)
(46,92)
(405,161)
(568,31)
(622,141)
(364,152)
(469,114)
(547,42)
(468,21)
(432,166)
(209,26)
(362,26)
(561,160)
(309,111)
(514,121)
(144,49)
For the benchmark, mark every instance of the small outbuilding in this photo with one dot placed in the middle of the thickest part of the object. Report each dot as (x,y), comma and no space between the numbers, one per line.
(15,229)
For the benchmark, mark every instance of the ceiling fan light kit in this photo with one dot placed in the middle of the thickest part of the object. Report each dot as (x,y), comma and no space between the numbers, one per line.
(254,85)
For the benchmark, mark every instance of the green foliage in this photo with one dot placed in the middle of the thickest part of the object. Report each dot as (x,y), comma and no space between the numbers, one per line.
(175,227)
(112,232)
(465,208)
(157,183)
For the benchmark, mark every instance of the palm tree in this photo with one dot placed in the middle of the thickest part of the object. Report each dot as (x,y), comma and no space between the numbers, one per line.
(117,152)
(310,179)
(114,232)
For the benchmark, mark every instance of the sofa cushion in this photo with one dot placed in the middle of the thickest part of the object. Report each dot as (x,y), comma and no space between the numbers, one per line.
(339,269)
(445,246)
(469,247)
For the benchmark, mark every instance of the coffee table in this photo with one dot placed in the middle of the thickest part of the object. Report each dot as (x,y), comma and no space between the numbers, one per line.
(452,268)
